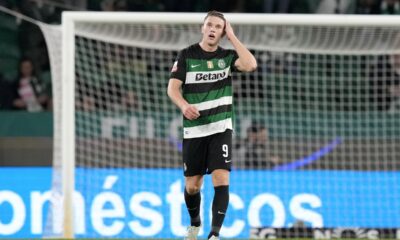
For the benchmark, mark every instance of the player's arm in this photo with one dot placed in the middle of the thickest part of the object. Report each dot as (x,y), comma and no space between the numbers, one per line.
(246,61)
(174,92)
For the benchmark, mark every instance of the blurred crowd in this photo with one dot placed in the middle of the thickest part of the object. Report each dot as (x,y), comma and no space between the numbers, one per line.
(29,88)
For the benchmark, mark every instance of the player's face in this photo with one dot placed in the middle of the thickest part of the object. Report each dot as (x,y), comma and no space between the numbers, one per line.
(213,29)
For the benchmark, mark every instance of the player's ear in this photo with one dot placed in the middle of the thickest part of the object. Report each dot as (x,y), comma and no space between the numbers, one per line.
(223,31)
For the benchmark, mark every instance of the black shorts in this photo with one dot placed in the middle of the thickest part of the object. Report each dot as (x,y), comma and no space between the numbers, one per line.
(203,155)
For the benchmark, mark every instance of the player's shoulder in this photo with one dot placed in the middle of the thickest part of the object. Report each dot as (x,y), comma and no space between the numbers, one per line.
(188,51)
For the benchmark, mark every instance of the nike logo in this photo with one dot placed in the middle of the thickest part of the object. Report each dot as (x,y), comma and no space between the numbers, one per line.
(228,161)
(194,65)
(219,212)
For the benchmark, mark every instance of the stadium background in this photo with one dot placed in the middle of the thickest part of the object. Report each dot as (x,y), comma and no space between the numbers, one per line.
(26,137)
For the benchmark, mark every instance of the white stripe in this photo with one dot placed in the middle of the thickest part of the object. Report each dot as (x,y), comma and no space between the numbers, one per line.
(214,103)
(208,129)
(191,76)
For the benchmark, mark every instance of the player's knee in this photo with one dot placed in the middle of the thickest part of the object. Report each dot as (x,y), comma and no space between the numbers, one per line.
(192,189)
(221,182)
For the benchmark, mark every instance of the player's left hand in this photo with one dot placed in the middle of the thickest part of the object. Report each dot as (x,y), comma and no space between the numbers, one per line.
(229,30)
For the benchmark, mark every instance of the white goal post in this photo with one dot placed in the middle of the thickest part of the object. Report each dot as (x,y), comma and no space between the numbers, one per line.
(325,33)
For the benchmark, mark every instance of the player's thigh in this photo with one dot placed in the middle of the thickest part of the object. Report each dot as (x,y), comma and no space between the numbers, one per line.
(220,151)
(194,156)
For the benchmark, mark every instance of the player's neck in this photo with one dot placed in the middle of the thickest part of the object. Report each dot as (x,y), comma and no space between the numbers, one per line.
(207,47)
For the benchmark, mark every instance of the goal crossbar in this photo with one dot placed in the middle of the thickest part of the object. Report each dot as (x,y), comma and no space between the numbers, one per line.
(235,18)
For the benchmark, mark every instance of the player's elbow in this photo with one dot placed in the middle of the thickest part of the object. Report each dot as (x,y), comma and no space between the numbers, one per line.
(251,66)
(247,65)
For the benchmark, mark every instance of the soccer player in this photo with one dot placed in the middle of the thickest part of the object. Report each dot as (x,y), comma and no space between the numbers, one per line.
(201,86)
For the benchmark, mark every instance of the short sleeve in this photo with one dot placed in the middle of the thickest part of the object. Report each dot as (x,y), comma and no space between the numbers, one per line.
(235,56)
(178,70)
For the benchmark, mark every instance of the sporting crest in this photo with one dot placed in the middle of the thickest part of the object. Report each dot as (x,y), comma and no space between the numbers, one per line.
(221,63)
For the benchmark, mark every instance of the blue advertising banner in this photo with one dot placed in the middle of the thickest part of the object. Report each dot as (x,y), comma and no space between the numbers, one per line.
(149,202)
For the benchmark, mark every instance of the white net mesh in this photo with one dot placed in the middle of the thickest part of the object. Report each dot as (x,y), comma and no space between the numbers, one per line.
(53,221)
(323,102)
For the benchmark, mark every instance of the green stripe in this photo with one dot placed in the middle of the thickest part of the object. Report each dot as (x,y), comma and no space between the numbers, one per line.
(207,120)
(194,98)
(203,67)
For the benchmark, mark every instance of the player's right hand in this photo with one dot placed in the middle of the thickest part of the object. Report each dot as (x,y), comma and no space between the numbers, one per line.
(190,112)
(229,30)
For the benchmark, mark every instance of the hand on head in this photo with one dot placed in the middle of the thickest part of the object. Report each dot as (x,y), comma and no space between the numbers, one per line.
(229,30)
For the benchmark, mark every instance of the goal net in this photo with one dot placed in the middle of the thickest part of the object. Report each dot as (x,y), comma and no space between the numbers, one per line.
(317,126)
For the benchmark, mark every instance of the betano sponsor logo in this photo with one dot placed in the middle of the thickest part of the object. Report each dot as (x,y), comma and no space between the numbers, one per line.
(206,76)
(210,76)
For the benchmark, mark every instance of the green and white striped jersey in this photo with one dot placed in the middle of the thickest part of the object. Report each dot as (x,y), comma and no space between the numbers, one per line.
(207,84)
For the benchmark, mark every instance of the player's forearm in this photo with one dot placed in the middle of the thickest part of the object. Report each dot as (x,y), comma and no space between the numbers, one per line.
(247,60)
(174,92)
(176,96)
